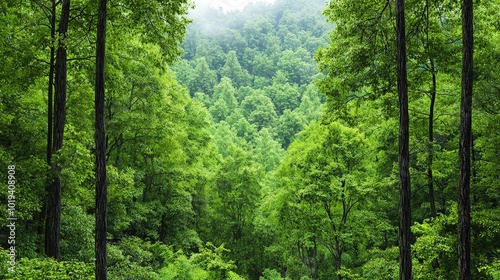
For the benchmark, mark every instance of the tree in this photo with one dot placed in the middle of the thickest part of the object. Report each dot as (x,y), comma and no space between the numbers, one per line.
(234,199)
(485,163)
(224,101)
(464,220)
(158,22)
(241,127)
(50,91)
(268,151)
(23,119)
(298,66)
(259,109)
(359,63)
(233,70)
(255,31)
(310,104)
(204,78)
(324,186)
(287,126)
(283,95)
(100,150)
(53,222)
(152,165)
(404,153)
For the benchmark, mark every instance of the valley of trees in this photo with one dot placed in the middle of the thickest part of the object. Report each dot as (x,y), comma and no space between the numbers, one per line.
(258,144)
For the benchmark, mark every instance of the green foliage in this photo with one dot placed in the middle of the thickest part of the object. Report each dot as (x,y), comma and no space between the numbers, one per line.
(182,269)
(224,100)
(46,268)
(323,190)
(77,234)
(297,65)
(268,151)
(259,110)
(150,19)
(233,70)
(270,274)
(310,104)
(204,78)
(207,264)
(132,258)
(228,165)
(289,124)
(358,64)
(382,264)
(283,95)
(434,250)
(211,259)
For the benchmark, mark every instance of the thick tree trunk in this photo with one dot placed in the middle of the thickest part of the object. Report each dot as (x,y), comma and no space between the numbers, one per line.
(404,136)
(100,141)
(464,222)
(53,222)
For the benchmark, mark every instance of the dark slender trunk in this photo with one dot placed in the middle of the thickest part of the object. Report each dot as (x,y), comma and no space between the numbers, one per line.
(404,135)
(51,83)
(430,179)
(50,119)
(430,158)
(53,222)
(100,141)
(430,149)
(464,222)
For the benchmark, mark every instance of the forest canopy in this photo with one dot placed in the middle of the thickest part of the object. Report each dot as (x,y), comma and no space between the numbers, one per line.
(259,143)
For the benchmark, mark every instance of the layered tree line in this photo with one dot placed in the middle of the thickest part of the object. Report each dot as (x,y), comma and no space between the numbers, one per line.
(255,144)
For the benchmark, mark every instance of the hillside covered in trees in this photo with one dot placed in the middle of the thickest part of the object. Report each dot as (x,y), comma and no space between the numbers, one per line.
(255,144)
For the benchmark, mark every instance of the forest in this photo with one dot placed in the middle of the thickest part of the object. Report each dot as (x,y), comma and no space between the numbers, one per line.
(259,144)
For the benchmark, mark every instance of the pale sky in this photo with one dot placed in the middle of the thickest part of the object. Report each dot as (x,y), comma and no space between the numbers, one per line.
(228,5)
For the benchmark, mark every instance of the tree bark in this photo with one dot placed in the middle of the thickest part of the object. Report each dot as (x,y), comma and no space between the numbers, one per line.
(50,92)
(430,156)
(50,120)
(464,222)
(430,148)
(100,141)
(405,266)
(53,222)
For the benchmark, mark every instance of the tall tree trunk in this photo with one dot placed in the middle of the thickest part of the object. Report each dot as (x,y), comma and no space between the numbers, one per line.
(50,118)
(404,155)
(50,102)
(464,222)
(430,177)
(53,222)
(430,147)
(100,141)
